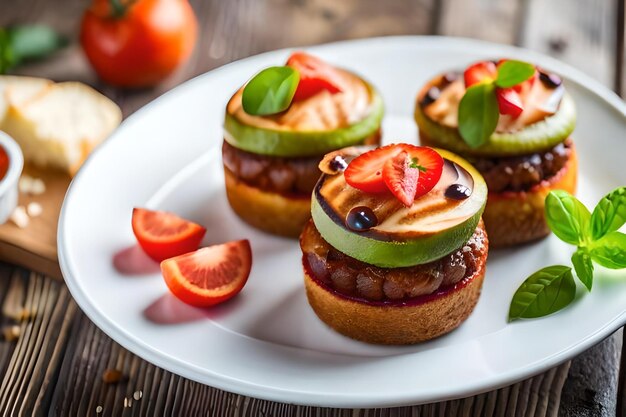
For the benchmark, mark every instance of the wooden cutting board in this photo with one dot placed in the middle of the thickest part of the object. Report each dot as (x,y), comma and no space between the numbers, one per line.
(35,246)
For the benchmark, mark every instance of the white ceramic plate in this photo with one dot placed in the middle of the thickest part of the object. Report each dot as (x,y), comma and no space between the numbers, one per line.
(267,342)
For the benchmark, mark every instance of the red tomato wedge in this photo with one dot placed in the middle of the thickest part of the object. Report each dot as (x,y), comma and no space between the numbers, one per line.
(479,72)
(366,172)
(163,235)
(209,275)
(509,102)
(401,177)
(315,76)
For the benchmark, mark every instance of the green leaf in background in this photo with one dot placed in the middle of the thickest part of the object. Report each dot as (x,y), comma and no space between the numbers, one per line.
(270,91)
(567,217)
(513,72)
(27,43)
(610,251)
(544,292)
(478,114)
(583,267)
(610,213)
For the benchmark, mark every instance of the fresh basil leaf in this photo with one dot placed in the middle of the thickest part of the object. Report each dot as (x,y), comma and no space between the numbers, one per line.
(610,251)
(544,292)
(584,267)
(567,217)
(478,114)
(513,72)
(33,42)
(7,58)
(610,213)
(270,91)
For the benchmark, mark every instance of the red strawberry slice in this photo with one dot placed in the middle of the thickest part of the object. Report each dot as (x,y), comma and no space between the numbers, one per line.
(479,72)
(400,176)
(509,102)
(367,171)
(315,76)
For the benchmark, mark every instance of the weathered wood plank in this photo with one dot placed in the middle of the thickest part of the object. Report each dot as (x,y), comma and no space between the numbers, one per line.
(579,32)
(43,310)
(496,21)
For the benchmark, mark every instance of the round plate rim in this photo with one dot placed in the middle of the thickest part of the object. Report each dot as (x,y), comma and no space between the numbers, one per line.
(178,367)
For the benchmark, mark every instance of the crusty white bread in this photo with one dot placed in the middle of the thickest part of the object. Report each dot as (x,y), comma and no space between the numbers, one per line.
(59,126)
(271,212)
(396,324)
(17,90)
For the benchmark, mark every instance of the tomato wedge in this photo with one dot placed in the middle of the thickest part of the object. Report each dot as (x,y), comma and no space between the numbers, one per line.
(315,76)
(209,275)
(163,235)
(367,171)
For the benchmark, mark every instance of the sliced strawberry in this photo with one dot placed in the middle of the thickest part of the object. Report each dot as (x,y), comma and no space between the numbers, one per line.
(400,176)
(509,102)
(479,72)
(209,275)
(315,76)
(163,235)
(366,172)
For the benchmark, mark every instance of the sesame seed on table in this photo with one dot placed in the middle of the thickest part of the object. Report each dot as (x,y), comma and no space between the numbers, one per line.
(55,361)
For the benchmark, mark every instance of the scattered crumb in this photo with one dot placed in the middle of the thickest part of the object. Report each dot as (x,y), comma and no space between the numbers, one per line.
(19,217)
(11,333)
(99,409)
(30,185)
(137,395)
(25,184)
(38,187)
(34,209)
(112,376)
(128,402)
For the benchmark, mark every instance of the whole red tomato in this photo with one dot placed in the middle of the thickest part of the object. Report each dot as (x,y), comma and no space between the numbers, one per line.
(138,43)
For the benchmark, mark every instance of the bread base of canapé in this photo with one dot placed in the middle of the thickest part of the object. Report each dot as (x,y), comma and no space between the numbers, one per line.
(427,317)
(271,212)
(513,218)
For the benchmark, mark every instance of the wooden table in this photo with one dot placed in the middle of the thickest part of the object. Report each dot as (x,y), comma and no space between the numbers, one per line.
(56,365)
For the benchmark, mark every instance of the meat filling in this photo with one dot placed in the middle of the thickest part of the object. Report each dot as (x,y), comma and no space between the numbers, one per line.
(520,173)
(354,278)
(291,176)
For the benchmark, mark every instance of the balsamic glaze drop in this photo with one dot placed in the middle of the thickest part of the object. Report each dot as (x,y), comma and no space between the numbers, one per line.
(450,77)
(458,192)
(338,164)
(361,218)
(550,80)
(431,96)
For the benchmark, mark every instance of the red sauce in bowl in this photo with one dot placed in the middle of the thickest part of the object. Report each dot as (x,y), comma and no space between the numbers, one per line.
(4,162)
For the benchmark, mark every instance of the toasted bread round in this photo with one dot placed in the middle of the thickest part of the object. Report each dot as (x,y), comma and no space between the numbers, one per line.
(271,212)
(513,218)
(420,319)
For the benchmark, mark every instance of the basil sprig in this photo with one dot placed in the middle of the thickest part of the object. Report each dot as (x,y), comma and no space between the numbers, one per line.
(478,109)
(511,73)
(24,43)
(597,239)
(270,91)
